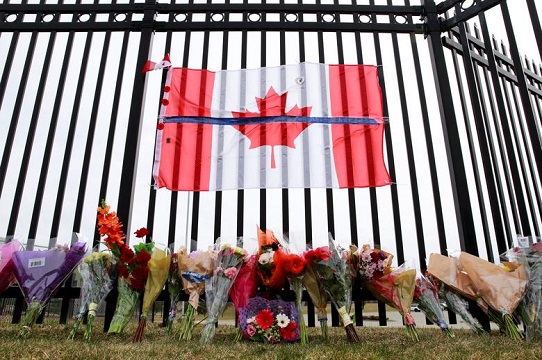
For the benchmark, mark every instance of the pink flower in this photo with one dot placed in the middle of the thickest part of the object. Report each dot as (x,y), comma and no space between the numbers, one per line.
(230,272)
(251,330)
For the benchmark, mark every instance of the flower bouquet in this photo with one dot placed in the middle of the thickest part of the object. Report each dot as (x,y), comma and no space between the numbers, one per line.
(228,262)
(295,267)
(132,266)
(156,279)
(426,295)
(174,287)
(502,289)
(97,273)
(530,307)
(6,266)
(331,269)
(458,305)
(194,269)
(270,269)
(396,288)
(318,296)
(272,321)
(40,273)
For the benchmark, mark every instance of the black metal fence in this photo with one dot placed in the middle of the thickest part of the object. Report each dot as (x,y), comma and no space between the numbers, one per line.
(463,140)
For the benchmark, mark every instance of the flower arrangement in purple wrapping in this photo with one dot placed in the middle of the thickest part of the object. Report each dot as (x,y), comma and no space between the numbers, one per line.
(271,321)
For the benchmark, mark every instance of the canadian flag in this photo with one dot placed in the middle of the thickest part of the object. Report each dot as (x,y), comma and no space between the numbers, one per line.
(150,66)
(293,126)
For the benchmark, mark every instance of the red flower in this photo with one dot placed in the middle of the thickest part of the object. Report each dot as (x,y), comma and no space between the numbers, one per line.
(317,255)
(375,256)
(160,126)
(142,257)
(123,270)
(264,319)
(126,254)
(142,232)
(294,265)
(288,333)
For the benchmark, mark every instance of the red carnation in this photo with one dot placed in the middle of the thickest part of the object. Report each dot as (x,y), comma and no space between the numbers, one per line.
(141,232)
(142,257)
(294,265)
(264,319)
(126,254)
(123,270)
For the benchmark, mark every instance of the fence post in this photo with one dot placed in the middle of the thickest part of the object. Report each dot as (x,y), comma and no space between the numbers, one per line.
(452,141)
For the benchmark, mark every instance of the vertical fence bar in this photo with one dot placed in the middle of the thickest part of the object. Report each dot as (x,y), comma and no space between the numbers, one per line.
(456,164)
(528,113)
(473,90)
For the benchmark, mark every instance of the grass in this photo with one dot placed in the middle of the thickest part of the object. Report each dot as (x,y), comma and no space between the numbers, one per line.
(49,341)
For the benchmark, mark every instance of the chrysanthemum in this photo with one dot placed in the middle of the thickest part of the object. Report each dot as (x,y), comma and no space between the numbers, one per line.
(282,320)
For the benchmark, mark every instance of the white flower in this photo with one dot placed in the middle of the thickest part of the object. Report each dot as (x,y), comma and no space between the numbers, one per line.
(266,258)
(251,320)
(282,320)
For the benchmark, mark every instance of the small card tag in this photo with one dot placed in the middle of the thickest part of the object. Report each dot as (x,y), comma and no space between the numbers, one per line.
(37,262)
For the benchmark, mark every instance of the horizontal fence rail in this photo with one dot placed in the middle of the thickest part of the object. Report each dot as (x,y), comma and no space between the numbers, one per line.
(462,140)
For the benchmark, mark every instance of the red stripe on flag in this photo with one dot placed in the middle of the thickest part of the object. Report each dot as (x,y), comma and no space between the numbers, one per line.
(186,148)
(357,149)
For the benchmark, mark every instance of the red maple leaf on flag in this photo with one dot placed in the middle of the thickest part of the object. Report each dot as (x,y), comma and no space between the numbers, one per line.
(273,133)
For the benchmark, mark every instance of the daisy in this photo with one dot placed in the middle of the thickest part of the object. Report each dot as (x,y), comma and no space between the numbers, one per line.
(282,320)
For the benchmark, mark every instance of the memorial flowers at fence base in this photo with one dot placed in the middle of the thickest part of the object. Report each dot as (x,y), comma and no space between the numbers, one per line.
(156,279)
(174,287)
(295,267)
(40,273)
(397,290)
(97,272)
(6,265)
(426,295)
(502,289)
(194,269)
(132,266)
(229,260)
(244,287)
(272,321)
(331,268)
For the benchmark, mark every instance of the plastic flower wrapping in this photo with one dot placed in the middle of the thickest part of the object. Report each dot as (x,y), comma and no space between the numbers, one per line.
(272,321)
(229,260)
(156,279)
(132,266)
(530,307)
(270,267)
(6,265)
(457,304)
(318,297)
(194,269)
(426,295)
(396,288)
(40,273)
(98,273)
(331,268)
(245,285)
(174,288)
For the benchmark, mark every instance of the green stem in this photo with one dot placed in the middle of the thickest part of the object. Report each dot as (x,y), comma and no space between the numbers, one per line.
(302,326)
(187,325)
(32,313)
